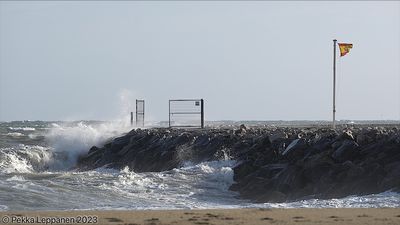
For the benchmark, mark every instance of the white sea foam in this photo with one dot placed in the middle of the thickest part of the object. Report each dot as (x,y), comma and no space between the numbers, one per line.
(11,163)
(22,128)
(24,159)
(66,142)
(385,199)
(16,178)
(33,136)
(15,134)
(193,186)
(74,139)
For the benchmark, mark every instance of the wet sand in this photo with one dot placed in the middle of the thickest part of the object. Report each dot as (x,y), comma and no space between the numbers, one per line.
(211,216)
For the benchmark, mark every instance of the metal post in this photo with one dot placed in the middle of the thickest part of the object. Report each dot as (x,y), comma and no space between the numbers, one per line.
(169,113)
(143,113)
(136,113)
(334,84)
(131,118)
(202,113)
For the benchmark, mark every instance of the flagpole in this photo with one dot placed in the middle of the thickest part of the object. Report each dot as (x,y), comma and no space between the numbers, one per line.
(334,83)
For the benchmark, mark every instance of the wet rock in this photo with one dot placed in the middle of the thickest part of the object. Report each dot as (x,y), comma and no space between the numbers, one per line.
(363,139)
(290,179)
(93,149)
(346,151)
(242,130)
(347,135)
(295,150)
(391,180)
(271,196)
(244,169)
(276,135)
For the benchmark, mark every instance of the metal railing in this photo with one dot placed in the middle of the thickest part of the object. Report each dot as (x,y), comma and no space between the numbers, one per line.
(186,113)
(139,113)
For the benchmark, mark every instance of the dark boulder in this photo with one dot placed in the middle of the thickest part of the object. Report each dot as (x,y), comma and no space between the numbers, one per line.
(295,150)
(242,130)
(347,151)
(277,135)
(243,170)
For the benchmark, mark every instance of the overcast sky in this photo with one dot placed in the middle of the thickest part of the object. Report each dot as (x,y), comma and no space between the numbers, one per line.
(248,60)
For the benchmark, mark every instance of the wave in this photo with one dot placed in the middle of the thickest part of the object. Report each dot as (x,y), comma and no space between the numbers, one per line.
(55,148)
(24,159)
(14,134)
(76,138)
(193,186)
(204,185)
(22,128)
(386,199)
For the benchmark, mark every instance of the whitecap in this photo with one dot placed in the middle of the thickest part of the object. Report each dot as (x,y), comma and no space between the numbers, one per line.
(22,128)
(16,178)
(24,159)
(74,139)
(14,134)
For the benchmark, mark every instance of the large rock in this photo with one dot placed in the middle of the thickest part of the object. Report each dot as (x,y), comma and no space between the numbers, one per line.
(277,135)
(346,151)
(295,150)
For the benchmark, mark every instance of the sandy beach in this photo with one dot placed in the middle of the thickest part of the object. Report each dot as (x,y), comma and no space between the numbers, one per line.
(357,216)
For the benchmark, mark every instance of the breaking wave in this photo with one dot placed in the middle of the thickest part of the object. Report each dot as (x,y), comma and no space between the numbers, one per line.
(381,200)
(15,134)
(24,159)
(63,144)
(22,128)
(74,139)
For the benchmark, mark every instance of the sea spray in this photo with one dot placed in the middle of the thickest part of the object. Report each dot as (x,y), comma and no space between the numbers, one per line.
(24,159)
(126,105)
(70,140)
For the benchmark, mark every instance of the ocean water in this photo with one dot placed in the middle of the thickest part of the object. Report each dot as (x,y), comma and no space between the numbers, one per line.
(37,172)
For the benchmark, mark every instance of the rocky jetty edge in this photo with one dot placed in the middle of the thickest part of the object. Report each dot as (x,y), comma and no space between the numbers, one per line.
(275,164)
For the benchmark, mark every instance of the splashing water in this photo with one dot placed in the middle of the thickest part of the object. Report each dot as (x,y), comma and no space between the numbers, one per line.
(24,159)
(74,139)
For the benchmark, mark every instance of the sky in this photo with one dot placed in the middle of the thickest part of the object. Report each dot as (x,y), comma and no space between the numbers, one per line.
(260,60)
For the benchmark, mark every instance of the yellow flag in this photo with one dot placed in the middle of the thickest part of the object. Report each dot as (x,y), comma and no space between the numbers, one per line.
(344,48)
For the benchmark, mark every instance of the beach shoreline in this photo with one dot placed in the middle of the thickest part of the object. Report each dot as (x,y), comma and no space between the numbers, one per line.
(254,216)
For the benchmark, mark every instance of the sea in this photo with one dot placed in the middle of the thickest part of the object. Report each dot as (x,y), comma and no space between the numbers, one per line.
(37,172)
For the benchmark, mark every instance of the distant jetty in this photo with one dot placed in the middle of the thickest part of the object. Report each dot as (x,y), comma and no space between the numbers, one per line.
(275,164)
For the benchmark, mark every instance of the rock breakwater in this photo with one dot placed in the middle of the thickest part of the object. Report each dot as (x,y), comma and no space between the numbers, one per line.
(274,164)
